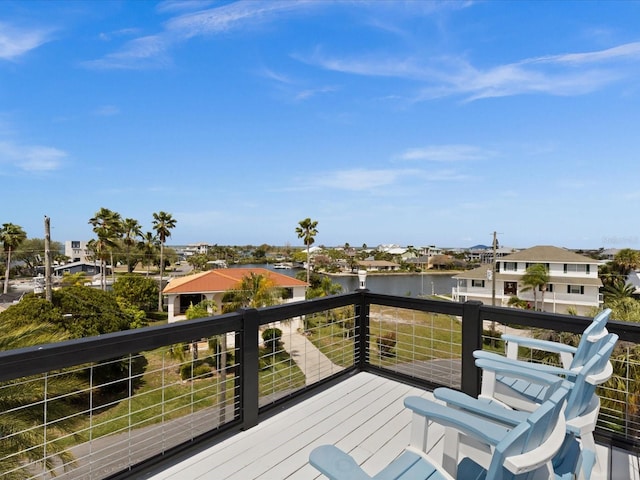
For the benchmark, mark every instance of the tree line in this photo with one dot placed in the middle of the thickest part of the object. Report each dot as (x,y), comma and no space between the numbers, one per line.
(115,233)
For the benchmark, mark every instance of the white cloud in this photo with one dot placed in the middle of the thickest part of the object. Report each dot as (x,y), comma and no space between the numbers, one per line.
(15,42)
(123,32)
(227,17)
(629,51)
(445,153)
(312,92)
(566,74)
(181,5)
(362,179)
(140,53)
(152,51)
(276,76)
(31,158)
(357,179)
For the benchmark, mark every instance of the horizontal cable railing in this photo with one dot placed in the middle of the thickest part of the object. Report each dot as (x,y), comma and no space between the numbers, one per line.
(98,407)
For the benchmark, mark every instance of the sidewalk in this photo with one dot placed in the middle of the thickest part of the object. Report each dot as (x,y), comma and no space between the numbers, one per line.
(313,363)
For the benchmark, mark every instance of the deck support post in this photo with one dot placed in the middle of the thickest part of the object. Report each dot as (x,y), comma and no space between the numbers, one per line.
(361,345)
(250,392)
(471,341)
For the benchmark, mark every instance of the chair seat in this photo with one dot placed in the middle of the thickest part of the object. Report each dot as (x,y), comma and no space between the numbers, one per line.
(337,465)
(410,466)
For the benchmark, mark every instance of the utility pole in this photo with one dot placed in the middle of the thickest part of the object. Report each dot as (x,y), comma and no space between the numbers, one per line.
(47,258)
(494,268)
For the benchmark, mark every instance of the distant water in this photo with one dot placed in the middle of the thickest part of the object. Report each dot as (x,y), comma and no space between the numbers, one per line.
(413,285)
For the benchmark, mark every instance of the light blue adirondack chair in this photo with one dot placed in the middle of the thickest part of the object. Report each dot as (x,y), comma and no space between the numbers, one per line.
(571,358)
(581,412)
(520,452)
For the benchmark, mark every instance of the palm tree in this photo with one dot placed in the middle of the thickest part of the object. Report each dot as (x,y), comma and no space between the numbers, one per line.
(253,291)
(307,231)
(163,222)
(536,278)
(107,225)
(131,230)
(617,290)
(627,260)
(148,245)
(11,237)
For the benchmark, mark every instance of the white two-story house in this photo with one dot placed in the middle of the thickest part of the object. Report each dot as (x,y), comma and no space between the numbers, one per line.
(573,281)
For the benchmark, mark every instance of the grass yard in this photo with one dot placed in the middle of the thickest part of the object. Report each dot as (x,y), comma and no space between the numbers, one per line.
(163,395)
(278,372)
(410,336)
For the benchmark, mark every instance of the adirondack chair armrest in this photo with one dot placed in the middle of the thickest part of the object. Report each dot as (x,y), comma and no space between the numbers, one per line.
(541,368)
(536,373)
(481,429)
(538,344)
(335,464)
(495,411)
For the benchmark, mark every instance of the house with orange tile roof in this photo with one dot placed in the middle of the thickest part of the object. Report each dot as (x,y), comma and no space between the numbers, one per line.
(212,285)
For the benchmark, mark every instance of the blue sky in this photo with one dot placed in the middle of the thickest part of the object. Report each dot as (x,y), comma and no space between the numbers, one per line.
(413,123)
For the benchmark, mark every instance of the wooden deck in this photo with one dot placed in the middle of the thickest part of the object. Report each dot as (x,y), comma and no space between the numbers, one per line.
(363,415)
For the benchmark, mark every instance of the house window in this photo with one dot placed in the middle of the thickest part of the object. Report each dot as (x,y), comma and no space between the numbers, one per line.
(576,268)
(510,266)
(75,244)
(549,287)
(510,288)
(477,283)
(575,289)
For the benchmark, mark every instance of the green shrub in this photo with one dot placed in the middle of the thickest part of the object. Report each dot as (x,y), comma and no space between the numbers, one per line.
(386,344)
(198,369)
(492,337)
(272,339)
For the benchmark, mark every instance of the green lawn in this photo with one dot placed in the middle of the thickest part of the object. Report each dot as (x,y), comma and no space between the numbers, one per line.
(163,395)
(418,336)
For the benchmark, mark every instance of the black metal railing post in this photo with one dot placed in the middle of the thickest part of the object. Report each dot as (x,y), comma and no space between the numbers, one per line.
(471,341)
(250,391)
(361,345)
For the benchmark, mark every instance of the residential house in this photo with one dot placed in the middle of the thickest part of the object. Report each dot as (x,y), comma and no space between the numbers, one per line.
(379,265)
(484,254)
(609,254)
(212,285)
(634,280)
(201,248)
(77,251)
(90,268)
(573,280)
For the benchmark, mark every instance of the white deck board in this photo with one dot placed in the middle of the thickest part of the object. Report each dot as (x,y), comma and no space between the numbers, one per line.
(364,415)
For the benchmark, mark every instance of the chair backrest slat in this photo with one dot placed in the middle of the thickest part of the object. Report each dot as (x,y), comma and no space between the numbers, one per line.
(589,345)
